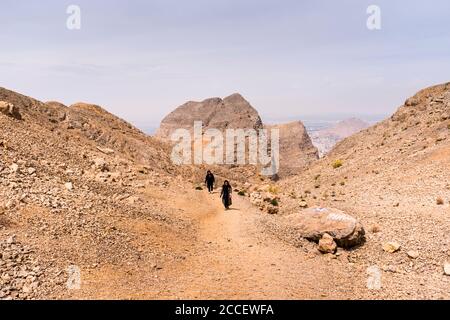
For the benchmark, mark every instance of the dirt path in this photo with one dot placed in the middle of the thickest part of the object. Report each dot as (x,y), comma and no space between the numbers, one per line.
(227,256)
(233,259)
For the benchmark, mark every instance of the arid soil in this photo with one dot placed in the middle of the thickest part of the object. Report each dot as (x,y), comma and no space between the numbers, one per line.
(83,190)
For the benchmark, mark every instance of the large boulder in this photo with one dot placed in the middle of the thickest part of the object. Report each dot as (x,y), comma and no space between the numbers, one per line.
(314,223)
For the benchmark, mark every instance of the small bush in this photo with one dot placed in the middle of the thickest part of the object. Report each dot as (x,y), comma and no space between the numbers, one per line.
(274,202)
(273,190)
(342,183)
(241,193)
(337,164)
(439,201)
(198,188)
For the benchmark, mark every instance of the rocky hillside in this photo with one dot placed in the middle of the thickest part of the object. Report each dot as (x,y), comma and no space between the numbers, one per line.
(394,178)
(73,182)
(327,138)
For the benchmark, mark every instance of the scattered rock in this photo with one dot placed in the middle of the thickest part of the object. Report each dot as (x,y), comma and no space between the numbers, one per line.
(391,247)
(412,102)
(14,168)
(272,209)
(100,164)
(69,186)
(413,254)
(447,268)
(105,150)
(327,244)
(10,110)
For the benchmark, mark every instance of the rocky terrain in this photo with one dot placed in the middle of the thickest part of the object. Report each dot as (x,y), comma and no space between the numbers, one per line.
(325,139)
(393,178)
(82,190)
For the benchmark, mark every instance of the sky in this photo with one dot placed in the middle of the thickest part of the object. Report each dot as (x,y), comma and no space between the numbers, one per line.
(140,59)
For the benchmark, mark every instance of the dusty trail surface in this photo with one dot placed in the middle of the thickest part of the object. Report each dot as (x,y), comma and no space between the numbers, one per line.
(227,256)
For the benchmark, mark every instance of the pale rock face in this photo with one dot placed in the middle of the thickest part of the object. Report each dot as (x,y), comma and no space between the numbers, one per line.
(296,148)
(233,112)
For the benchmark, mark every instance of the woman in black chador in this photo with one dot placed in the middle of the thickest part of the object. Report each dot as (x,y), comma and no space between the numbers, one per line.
(209,180)
(226,194)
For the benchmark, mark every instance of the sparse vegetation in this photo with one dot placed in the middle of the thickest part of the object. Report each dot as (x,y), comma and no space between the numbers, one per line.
(273,189)
(374,228)
(342,183)
(241,193)
(274,202)
(198,188)
(337,164)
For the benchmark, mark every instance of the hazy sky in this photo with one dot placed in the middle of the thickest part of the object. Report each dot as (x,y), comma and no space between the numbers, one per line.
(140,59)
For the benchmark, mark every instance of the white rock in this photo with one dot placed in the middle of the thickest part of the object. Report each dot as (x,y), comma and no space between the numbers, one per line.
(413,254)
(447,268)
(14,167)
(69,186)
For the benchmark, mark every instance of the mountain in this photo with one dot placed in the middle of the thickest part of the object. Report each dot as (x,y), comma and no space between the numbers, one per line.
(325,139)
(296,149)
(233,112)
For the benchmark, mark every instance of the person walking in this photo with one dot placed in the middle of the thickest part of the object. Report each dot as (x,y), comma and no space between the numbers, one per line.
(210,180)
(225,194)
